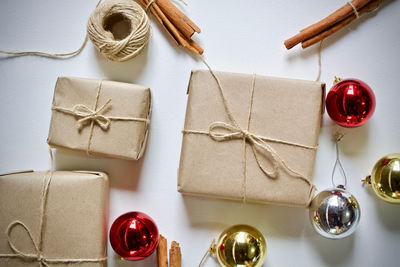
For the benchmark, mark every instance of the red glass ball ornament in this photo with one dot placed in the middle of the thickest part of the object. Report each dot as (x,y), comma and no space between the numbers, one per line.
(350,103)
(134,236)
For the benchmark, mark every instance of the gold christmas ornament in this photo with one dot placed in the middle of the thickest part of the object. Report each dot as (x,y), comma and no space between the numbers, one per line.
(239,246)
(385,178)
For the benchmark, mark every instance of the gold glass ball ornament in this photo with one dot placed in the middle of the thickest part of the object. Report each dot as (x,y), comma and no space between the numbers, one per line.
(241,246)
(385,178)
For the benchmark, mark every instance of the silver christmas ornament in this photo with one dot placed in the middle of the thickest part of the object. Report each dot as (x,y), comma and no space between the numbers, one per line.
(335,213)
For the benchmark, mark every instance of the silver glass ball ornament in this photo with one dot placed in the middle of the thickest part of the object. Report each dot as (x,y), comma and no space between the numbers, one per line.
(335,213)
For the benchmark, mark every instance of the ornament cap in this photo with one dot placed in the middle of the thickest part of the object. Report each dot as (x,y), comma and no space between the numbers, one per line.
(213,248)
(336,80)
(367,180)
(341,187)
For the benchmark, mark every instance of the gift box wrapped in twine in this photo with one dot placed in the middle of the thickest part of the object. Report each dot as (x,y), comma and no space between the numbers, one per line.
(100,117)
(250,138)
(53,218)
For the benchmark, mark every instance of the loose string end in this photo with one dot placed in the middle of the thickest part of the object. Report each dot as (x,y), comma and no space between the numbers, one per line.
(211,249)
(319,61)
(51,159)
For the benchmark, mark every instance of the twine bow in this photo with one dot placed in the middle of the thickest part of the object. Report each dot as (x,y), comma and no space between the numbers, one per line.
(87,114)
(37,256)
(221,131)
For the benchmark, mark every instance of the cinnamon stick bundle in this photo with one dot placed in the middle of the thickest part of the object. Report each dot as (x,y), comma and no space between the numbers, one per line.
(331,24)
(179,27)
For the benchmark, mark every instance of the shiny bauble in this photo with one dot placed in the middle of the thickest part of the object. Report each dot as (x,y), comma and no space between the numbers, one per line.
(335,213)
(134,236)
(350,103)
(385,178)
(241,246)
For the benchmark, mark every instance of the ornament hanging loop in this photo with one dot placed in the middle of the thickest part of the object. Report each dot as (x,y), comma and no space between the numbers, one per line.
(338,163)
(212,249)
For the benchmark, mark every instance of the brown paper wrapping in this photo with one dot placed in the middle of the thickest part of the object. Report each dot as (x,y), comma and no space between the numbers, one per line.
(123,139)
(75,224)
(283,109)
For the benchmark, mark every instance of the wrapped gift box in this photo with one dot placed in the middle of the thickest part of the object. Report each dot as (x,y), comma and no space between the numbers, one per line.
(100,117)
(273,122)
(74,218)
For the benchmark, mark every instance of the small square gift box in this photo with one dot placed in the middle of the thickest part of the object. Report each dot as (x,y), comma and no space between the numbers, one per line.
(53,219)
(100,117)
(250,138)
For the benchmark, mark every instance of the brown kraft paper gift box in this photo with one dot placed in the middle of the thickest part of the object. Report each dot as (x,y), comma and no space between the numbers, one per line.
(100,117)
(73,209)
(259,145)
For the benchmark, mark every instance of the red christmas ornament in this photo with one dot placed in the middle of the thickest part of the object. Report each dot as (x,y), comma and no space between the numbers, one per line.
(350,103)
(134,236)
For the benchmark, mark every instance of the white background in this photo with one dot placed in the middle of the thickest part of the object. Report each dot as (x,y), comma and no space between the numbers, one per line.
(238,36)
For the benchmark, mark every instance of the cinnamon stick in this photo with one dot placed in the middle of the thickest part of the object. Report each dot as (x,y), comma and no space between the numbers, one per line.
(175,256)
(162,256)
(337,16)
(317,38)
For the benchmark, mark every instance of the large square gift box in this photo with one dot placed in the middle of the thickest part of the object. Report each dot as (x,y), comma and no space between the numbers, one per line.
(250,138)
(100,117)
(53,219)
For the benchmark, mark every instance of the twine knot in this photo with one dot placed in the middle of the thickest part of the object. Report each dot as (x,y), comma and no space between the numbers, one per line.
(87,114)
(40,259)
(222,131)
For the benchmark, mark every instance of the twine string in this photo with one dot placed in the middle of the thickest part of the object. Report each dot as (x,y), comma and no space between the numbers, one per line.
(47,54)
(319,61)
(95,115)
(222,131)
(116,50)
(37,256)
(354,9)
(338,164)
(246,136)
(209,250)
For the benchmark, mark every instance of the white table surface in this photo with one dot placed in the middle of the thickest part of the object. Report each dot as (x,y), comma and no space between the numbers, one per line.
(238,36)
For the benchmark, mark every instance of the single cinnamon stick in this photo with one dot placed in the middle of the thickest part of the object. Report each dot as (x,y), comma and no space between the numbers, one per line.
(368,8)
(162,249)
(175,256)
(325,23)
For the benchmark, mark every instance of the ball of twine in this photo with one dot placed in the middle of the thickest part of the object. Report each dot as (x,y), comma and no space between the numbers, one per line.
(119,46)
